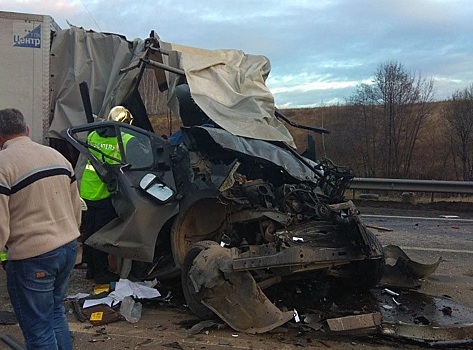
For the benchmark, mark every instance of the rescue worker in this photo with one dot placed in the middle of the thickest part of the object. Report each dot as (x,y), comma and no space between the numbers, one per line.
(95,193)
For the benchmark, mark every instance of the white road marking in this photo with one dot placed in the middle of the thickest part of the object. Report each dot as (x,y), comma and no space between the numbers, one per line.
(414,218)
(439,250)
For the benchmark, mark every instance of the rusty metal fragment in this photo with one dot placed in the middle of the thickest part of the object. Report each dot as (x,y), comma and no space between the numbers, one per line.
(234,295)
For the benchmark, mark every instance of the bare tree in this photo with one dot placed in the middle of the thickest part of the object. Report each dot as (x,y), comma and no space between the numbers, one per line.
(364,129)
(391,110)
(459,115)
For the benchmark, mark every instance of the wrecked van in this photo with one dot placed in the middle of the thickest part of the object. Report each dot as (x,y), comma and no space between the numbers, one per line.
(227,202)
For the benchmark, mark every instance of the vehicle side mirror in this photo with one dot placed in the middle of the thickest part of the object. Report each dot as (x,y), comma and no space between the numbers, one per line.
(151,184)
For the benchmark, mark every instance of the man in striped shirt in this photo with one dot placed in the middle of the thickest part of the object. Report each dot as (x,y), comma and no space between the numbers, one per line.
(40,215)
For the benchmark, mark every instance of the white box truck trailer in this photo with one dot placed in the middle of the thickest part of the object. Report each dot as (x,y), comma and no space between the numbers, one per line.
(25,41)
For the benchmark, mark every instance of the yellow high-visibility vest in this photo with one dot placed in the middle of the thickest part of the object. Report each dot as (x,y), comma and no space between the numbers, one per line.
(91,187)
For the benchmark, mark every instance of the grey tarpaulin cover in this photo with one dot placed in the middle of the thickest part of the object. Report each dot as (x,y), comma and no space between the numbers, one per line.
(228,85)
(78,55)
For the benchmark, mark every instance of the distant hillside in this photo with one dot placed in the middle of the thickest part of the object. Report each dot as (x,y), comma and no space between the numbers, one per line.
(432,158)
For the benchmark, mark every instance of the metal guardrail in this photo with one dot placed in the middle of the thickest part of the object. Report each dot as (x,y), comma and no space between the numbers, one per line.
(432,186)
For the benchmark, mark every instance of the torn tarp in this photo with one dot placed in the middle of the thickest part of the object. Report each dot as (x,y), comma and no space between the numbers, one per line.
(77,56)
(229,87)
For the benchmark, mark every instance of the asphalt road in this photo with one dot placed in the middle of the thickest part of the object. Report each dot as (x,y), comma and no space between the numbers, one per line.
(423,235)
(426,236)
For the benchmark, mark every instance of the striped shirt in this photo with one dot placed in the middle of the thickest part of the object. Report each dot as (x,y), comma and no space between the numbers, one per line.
(39,199)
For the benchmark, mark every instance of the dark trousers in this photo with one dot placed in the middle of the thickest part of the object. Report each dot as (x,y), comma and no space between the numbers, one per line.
(97,215)
(37,288)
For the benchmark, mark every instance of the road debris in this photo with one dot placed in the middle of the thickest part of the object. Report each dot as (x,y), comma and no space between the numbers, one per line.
(99,315)
(402,271)
(100,339)
(8,318)
(409,316)
(174,345)
(387,307)
(426,318)
(380,228)
(315,321)
(390,292)
(355,322)
(76,307)
(233,295)
(447,310)
(101,288)
(130,309)
(199,327)
(297,319)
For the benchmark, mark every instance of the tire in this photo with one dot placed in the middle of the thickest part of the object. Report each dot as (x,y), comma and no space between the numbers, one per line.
(192,298)
(364,274)
(197,222)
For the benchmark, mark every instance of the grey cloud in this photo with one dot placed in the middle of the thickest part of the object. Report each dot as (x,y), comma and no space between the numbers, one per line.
(331,41)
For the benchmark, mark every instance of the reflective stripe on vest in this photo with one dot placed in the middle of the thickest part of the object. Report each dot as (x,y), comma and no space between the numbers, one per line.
(91,187)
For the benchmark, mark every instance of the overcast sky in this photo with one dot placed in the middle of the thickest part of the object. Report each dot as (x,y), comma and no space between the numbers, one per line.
(320,50)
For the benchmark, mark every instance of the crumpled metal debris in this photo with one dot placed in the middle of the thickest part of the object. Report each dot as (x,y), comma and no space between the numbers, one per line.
(402,271)
(234,295)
